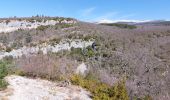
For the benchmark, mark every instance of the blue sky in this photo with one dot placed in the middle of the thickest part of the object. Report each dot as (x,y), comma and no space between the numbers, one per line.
(89,10)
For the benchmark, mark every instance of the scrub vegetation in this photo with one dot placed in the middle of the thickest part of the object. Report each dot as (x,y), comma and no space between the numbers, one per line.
(125,62)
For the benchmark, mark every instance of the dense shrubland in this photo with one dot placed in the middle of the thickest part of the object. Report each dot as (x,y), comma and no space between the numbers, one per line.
(141,56)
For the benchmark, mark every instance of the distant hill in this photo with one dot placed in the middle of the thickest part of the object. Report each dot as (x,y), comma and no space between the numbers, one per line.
(156,23)
(136,22)
(120,25)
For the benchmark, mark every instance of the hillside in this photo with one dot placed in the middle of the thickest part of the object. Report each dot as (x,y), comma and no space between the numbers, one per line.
(116,61)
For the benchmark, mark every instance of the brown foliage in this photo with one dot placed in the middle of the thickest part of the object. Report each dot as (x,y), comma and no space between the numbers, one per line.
(46,66)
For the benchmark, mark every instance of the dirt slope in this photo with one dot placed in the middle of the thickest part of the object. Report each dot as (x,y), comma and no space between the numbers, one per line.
(22,88)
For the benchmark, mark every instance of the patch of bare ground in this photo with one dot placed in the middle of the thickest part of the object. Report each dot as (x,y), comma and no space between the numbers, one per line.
(22,88)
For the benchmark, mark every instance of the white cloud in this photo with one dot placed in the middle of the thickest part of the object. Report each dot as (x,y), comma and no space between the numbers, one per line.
(90,15)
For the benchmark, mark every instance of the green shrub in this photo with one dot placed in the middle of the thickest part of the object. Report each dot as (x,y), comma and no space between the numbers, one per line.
(43,28)
(101,91)
(118,91)
(76,53)
(90,51)
(4,70)
(66,25)
(31,20)
(7,21)
(17,45)
(3,84)
(28,38)
(63,25)
(8,49)
(80,54)
(20,72)
(55,41)
(76,50)
(89,37)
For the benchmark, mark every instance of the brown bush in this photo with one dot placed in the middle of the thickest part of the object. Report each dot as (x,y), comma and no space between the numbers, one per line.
(47,66)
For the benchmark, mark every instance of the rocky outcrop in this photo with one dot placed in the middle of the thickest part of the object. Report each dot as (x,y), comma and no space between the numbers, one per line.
(82,69)
(13,25)
(63,45)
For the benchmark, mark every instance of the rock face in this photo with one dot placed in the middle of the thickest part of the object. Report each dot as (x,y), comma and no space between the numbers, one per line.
(22,88)
(81,69)
(13,25)
(64,45)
